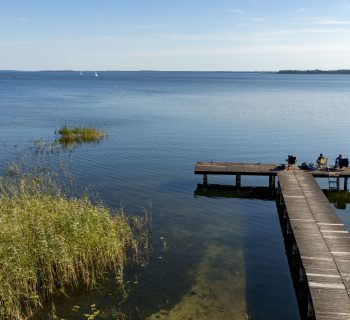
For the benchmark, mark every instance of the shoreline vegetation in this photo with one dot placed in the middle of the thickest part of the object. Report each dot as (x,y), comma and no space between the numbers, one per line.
(316,71)
(51,242)
(70,135)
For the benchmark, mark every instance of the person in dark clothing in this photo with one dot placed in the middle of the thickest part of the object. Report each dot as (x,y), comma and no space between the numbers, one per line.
(291,161)
(338,160)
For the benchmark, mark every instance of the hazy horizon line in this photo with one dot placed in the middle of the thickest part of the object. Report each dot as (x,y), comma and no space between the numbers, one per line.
(114,70)
(155,70)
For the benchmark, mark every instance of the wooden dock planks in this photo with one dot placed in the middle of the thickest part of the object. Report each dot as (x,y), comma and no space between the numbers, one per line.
(323,244)
(232,168)
(266,169)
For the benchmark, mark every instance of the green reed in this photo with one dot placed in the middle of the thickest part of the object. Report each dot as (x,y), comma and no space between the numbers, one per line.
(50,242)
(79,134)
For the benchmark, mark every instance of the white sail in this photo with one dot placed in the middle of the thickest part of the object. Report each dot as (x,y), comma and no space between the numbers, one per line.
(96,74)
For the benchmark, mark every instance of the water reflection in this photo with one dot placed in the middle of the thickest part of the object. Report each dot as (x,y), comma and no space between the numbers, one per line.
(227,191)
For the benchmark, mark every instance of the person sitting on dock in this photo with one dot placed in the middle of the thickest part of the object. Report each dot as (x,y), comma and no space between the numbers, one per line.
(338,160)
(322,161)
(291,162)
(341,162)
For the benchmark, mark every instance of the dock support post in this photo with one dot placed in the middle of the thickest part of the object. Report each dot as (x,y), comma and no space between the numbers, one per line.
(302,275)
(285,215)
(294,249)
(280,198)
(338,183)
(345,183)
(238,180)
(288,229)
(271,182)
(205,179)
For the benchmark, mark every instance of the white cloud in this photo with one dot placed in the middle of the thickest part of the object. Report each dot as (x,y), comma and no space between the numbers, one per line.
(150,26)
(258,19)
(302,48)
(331,21)
(243,25)
(305,31)
(237,11)
(323,21)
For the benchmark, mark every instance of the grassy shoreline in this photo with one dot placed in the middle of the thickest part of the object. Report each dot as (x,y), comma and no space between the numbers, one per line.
(50,242)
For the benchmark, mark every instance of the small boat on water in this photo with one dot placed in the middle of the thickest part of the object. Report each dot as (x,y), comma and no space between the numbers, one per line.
(96,74)
(81,74)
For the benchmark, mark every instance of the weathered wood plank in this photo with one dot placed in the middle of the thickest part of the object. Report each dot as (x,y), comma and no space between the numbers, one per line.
(232,168)
(323,243)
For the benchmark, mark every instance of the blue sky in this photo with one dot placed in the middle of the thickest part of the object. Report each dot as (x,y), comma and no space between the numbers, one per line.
(174,35)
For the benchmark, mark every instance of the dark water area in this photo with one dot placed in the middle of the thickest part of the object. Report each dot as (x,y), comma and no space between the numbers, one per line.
(214,257)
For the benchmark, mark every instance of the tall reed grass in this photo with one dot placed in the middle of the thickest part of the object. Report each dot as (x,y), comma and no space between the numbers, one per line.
(51,242)
(70,135)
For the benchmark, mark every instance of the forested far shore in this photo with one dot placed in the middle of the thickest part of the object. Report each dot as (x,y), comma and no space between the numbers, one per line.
(316,71)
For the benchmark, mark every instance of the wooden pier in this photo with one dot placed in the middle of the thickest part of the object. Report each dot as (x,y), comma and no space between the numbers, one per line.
(321,244)
(318,241)
(237,169)
(263,169)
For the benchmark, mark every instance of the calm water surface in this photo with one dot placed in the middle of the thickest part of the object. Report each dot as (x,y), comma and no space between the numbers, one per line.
(212,258)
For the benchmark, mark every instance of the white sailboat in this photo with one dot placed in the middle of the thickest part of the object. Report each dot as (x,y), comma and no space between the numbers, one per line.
(96,74)
(81,74)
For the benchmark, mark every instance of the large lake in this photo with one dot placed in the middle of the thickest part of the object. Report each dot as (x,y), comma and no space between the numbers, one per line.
(211,257)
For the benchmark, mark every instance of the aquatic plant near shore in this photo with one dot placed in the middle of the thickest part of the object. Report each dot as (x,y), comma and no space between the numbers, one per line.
(50,242)
(70,135)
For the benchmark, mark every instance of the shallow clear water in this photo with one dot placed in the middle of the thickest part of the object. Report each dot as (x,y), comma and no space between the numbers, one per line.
(212,258)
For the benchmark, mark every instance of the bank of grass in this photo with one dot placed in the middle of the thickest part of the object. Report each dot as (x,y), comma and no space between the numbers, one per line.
(50,242)
(70,135)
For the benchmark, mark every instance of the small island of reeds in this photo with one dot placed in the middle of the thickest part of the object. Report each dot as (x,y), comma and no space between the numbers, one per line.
(69,135)
(52,242)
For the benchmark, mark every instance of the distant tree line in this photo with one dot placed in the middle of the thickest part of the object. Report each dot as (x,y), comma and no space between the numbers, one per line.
(316,71)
